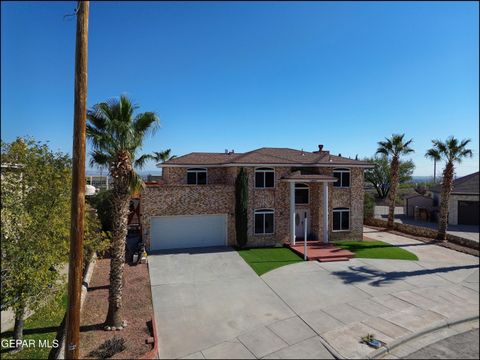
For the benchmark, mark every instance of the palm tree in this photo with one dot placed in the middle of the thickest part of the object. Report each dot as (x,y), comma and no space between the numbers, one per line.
(452,151)
(116,135)
(394,148)
(162,156)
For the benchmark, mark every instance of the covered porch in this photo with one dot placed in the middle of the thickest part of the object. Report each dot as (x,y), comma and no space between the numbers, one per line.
(312,245)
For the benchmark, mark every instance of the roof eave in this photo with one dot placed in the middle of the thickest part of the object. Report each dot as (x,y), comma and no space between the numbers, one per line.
(366,166)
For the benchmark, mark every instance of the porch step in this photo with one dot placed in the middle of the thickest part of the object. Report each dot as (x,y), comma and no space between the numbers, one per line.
(334,259)
(317,250)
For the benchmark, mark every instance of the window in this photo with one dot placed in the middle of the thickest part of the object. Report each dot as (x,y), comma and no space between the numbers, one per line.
(264,178)
(343,177)
(341,219)
(301,194)
(197,176)
(264,221)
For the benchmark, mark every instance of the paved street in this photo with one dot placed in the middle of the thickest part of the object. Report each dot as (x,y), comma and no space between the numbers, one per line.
(461,346)
(212,305)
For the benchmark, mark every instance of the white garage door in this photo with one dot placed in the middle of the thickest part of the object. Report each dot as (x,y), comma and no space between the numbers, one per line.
(176,232)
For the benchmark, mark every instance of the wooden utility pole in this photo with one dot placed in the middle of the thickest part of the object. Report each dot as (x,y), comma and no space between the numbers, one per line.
(75,272)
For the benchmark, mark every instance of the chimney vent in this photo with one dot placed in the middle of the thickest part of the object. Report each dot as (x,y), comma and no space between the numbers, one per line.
(320,147)
(226,151)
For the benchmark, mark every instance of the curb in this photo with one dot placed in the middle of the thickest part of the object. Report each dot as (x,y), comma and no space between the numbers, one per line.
(402,340)
(152,354)
(85,282)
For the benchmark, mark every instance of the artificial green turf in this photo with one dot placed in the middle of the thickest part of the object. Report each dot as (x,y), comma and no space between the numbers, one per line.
(43,326)
(376,250)
(263,260)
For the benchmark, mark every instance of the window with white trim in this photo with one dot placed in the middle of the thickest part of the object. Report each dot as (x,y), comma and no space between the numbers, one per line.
(196,176)
(264,178)
(343,178)
(264,221)
(302,194)
(341,219)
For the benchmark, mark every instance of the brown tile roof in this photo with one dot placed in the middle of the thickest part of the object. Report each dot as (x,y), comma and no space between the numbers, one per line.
(468,184)
(264,156)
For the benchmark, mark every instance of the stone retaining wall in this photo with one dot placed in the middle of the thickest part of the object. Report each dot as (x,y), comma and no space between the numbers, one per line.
(422,231)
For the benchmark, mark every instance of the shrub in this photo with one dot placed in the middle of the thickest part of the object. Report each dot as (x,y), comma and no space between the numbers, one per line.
(95,240)
(102,202)
(241,208)
(368,206)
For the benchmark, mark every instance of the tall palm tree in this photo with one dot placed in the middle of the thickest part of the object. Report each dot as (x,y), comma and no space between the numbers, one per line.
(394,148)
(452,151)
(162,156)
(116,135)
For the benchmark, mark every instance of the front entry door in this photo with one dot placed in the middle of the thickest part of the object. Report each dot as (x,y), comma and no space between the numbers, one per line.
(300,215)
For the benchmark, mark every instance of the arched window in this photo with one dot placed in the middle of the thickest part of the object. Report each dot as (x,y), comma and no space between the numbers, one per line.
(264,178)
(264,221)
(343,178)
(302,194)
(197,176)
(341,219)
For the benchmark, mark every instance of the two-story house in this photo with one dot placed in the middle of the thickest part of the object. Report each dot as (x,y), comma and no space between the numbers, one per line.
(194,204)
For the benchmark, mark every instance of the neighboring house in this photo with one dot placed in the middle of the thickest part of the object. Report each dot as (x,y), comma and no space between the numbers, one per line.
(463,205)
(415,202)
(100,182)
(194,205)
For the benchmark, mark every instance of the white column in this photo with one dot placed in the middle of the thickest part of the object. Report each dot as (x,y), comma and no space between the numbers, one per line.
(325,212)
(292,213)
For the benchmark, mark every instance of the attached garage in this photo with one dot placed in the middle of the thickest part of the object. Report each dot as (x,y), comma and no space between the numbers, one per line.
(468,212)
(187,231)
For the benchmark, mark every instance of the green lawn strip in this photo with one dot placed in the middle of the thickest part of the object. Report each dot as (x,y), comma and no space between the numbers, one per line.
(262,260)
(376,250)
(43,325)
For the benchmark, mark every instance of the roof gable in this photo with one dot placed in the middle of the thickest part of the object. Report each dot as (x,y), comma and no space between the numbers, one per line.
(468,184)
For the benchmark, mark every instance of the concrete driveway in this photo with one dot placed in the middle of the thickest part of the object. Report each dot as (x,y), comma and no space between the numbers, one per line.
(210,304)
(389,298)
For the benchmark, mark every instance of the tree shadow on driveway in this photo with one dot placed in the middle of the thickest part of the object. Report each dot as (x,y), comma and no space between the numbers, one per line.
(374,277)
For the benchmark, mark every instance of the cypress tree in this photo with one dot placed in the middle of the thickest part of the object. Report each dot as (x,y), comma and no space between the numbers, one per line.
(241,207)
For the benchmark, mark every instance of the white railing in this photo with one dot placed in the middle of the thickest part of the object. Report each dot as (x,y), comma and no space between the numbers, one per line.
(305,247)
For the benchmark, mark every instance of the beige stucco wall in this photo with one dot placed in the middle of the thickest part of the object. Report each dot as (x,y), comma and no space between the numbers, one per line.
(218,197)
(453,206)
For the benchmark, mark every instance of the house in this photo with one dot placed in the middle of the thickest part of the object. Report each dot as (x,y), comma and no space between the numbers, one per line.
(463,205)
(414,202)
(194,205)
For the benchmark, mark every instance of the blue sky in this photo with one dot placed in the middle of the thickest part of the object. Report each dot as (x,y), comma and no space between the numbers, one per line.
(246,75)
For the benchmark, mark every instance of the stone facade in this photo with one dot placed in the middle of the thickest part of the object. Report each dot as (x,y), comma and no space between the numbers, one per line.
(213,199)
(175,197)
